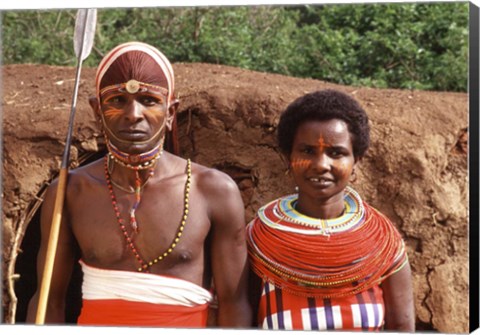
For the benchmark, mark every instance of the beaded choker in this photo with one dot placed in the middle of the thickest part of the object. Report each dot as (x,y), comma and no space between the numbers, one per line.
(281,214)
(135,162)
(145,265)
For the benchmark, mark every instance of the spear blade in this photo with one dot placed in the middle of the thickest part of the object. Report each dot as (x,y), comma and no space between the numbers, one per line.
(83,37)
(84,33)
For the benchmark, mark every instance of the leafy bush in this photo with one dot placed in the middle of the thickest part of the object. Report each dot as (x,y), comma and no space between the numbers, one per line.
(409,46)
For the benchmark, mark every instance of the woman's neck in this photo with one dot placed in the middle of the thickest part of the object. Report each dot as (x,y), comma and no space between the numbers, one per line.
(321,209)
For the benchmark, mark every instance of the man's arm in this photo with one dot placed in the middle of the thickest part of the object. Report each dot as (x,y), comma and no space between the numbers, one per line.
(229,250)
(63,264)
(398,296)
(254,294)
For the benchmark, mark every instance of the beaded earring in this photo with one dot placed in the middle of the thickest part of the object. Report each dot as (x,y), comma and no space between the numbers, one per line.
(288,170)
(353,176)
(110,164)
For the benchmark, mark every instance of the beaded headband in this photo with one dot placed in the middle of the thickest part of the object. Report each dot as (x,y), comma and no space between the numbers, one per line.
(154,53)
(132,86)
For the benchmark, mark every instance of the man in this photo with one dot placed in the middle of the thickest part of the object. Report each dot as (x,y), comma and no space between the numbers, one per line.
(152,229)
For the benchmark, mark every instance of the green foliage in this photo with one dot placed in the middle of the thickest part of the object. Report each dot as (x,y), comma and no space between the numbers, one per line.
(409,46)
(38,37)
(412,46)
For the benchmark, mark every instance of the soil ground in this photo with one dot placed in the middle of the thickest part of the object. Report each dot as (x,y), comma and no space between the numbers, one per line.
(415,171)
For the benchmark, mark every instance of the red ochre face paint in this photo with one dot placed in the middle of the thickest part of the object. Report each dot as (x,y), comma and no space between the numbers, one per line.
(300,164)
(322,158)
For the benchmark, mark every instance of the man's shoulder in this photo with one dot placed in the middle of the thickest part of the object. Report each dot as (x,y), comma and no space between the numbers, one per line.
(213,180)
(208,175)
(77,179)
(82,174)
(88,171)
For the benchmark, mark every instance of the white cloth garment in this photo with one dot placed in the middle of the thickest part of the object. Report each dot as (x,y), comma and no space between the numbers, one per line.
(103,284)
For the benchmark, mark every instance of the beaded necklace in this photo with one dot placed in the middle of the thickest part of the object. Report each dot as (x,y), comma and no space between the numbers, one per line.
(137,190)
(144,265)
(135,162)
(324,265)
(282,214)
(110,160)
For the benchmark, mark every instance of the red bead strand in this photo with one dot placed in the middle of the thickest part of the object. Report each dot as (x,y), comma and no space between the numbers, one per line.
(144,266)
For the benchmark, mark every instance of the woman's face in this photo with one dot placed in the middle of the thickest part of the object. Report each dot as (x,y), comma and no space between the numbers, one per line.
(322,161)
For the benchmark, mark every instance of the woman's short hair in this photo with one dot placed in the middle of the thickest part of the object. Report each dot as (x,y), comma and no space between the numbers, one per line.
(321,106)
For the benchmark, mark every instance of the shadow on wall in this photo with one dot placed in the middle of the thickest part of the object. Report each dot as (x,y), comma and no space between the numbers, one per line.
(26,265)
(26,285)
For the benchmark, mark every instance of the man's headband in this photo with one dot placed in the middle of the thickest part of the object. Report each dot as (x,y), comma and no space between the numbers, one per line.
(155,54)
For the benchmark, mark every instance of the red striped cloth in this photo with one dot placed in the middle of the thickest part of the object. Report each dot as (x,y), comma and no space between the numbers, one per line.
(280,309)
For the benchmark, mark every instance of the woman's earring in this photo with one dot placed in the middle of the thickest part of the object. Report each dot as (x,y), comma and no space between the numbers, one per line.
(353,176)
(296,189)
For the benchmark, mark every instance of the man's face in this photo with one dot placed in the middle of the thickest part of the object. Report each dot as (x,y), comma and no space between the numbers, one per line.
(135,121)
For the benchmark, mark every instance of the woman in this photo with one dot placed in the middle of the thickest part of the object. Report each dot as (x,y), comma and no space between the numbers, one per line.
(326,259)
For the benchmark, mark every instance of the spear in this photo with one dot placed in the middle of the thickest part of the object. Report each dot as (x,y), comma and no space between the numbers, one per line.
(83,36)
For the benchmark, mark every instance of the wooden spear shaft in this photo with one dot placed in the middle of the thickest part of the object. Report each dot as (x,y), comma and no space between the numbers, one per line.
(83,42)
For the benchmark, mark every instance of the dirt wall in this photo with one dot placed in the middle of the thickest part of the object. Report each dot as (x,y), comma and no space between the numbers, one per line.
(415,171)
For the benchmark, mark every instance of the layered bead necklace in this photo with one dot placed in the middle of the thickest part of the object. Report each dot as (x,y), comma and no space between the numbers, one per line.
(142,161)
(297,254)
(293,221)
(154,155)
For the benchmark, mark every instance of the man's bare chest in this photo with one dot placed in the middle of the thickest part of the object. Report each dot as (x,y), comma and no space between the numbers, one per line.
(167,233)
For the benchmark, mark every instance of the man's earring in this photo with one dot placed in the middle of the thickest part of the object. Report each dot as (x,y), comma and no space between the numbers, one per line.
(98,121)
